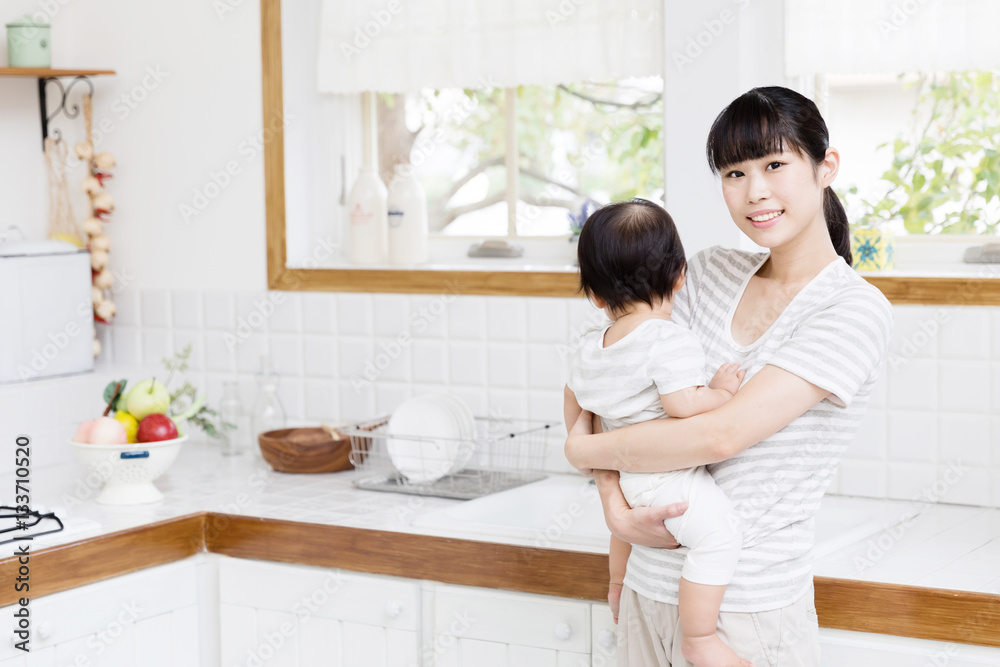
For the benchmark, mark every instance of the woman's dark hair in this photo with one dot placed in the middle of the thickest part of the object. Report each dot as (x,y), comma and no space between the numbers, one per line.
(630,252)
(759,123)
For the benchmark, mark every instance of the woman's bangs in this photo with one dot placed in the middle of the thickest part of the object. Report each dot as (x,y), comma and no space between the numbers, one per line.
(748,129)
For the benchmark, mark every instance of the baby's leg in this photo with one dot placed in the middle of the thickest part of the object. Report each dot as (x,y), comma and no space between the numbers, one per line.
(698,607)
(712,534)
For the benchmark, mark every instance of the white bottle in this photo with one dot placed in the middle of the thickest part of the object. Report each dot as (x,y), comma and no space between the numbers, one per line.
(368,218)
(407,218)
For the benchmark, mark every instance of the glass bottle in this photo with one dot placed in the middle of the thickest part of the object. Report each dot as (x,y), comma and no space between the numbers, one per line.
(268,413)
(235,439)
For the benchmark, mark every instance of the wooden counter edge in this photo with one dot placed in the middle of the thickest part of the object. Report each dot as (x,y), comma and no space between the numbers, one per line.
(844,604)
(64,566)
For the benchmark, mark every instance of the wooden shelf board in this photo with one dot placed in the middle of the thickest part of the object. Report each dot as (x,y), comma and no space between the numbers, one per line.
(43,72)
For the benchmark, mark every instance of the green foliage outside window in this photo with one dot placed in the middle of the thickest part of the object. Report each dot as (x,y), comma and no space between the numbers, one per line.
(945,174)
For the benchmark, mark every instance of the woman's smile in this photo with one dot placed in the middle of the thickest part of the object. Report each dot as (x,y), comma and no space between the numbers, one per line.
(765,218)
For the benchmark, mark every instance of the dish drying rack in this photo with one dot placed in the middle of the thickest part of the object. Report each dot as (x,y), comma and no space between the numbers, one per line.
(505,453)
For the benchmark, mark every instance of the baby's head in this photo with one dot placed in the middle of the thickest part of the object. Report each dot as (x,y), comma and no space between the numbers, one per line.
(629,253)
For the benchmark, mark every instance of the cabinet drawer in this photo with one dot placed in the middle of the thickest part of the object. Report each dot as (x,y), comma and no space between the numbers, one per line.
(605,636)
(308,591)
(107,607)
(512,618)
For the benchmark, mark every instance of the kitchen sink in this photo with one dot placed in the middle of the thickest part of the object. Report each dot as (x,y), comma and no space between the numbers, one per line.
(564,511)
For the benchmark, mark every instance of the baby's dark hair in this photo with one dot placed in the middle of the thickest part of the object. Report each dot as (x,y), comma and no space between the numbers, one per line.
(630,252)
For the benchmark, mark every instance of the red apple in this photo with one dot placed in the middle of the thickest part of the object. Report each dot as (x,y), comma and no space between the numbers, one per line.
(156,427)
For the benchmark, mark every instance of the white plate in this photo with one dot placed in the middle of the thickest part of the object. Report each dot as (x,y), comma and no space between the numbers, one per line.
(432,450)
(463,415)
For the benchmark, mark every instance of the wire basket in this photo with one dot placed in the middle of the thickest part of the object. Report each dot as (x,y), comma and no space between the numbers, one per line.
(504,453)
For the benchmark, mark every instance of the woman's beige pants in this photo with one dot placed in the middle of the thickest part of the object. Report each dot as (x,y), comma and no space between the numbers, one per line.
(649,634)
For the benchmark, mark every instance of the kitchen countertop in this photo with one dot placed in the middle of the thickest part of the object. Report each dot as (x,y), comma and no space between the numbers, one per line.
(932,545)
(932,573)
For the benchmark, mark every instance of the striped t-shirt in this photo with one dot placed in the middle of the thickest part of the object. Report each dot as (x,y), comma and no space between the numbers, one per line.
(834,334)
(623,381)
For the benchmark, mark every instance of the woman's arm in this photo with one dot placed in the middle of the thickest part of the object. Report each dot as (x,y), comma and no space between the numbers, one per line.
(768,402)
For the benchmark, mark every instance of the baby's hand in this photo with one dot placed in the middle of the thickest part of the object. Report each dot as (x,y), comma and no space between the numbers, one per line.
(728,377)
(614,599)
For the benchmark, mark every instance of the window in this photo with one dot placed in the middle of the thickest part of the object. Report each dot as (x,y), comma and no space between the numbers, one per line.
(575,147)
(921,151)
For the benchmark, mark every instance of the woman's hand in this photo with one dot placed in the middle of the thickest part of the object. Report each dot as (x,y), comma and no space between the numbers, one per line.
(644,525)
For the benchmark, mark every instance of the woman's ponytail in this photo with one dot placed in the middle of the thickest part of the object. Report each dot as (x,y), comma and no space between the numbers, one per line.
(837,224)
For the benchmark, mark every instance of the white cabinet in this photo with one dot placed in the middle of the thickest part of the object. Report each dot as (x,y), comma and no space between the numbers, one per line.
(475,627)
(147,618)
(860,649)
(300,616)
(604,636)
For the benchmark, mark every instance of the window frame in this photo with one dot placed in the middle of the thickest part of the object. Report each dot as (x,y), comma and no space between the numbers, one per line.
(899,289)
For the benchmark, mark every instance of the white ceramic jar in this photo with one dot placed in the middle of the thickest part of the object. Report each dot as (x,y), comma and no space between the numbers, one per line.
(368,218)
(407,218)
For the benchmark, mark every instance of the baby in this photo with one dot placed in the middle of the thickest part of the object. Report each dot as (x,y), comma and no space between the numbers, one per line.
(643,366)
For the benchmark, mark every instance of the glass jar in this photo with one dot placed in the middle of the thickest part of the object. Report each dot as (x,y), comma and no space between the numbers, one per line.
(268,414)
(236,439)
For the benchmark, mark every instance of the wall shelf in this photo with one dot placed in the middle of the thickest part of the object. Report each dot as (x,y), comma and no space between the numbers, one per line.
(46,75)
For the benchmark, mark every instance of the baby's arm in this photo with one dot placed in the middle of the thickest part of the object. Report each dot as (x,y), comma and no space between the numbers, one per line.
(618,554)
(571,408)
(696,400)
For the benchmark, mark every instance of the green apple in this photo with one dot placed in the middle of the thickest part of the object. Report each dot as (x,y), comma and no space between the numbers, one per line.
(146,398)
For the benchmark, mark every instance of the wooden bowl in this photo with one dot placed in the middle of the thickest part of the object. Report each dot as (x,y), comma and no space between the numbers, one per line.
(305,450)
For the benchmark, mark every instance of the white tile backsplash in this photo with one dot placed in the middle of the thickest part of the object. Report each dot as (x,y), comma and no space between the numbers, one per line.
(220,311)
(429,314)
(319,312)
(155,309)
(965,334)
(467,363)
(508,366)
(187,309)
(430,361)
(287,317)
(319,357)
(156,345)
(507,319)
(354,315)
(913,436)
(964,386)
(126,346)
(467,318)
(965,438)
(353,356)
(127,309)
(391,314)
(321,402)
(548,320)
(913,384)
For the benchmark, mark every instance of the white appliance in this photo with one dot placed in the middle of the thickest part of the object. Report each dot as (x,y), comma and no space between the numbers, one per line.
(46,315)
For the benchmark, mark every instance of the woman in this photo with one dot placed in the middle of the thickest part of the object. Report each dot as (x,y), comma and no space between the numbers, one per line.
(811,335)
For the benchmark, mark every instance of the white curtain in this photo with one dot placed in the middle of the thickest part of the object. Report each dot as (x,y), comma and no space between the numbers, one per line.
(405,45)
(890,36)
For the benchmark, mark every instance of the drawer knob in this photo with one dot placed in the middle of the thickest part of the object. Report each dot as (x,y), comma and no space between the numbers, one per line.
(45,630)
(606,638)
(563,631)
(393,609)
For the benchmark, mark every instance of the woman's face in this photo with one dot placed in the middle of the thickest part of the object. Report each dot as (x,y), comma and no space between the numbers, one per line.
(776,198)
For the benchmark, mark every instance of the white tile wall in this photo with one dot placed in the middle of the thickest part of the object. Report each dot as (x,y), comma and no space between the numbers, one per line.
(349,356)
